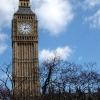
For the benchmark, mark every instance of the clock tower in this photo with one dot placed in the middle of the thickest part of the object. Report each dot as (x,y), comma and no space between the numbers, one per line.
(25,66)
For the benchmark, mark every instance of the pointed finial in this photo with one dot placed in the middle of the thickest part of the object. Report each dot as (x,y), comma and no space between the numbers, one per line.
(14,9)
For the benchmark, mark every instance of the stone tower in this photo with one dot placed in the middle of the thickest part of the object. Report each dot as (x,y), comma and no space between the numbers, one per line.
(25,69)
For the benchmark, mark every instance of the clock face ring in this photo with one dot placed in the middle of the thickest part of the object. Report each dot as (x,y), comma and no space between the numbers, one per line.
(24,28)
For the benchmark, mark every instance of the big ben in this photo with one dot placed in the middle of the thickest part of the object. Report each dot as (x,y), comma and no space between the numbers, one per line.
(25,66)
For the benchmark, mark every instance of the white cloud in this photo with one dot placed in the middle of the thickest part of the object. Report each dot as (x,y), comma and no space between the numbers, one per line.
(86,4)
(3,46)
(6,11)
(54,15)
(91,3)
(94,20)
(63,52)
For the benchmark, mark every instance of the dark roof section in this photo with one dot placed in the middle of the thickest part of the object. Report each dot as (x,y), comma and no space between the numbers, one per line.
(24,10)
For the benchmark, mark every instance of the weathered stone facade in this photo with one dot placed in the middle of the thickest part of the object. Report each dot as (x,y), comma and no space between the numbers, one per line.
(25,67)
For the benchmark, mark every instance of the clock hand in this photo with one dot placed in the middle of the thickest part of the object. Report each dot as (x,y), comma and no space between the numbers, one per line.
(27,28)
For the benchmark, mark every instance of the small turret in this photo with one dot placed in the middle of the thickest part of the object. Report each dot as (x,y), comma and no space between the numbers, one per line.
(24,3)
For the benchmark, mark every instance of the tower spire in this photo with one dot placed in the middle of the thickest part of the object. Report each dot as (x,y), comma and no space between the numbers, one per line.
(24,3)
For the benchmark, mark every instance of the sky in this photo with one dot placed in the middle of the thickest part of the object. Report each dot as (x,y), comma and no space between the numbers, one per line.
(69,28)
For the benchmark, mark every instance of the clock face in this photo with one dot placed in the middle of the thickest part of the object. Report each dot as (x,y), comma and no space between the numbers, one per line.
(24,28)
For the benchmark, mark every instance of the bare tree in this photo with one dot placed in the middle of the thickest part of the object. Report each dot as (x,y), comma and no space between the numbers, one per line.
(69,80)
(47,72)
(60,80)
(5,80)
